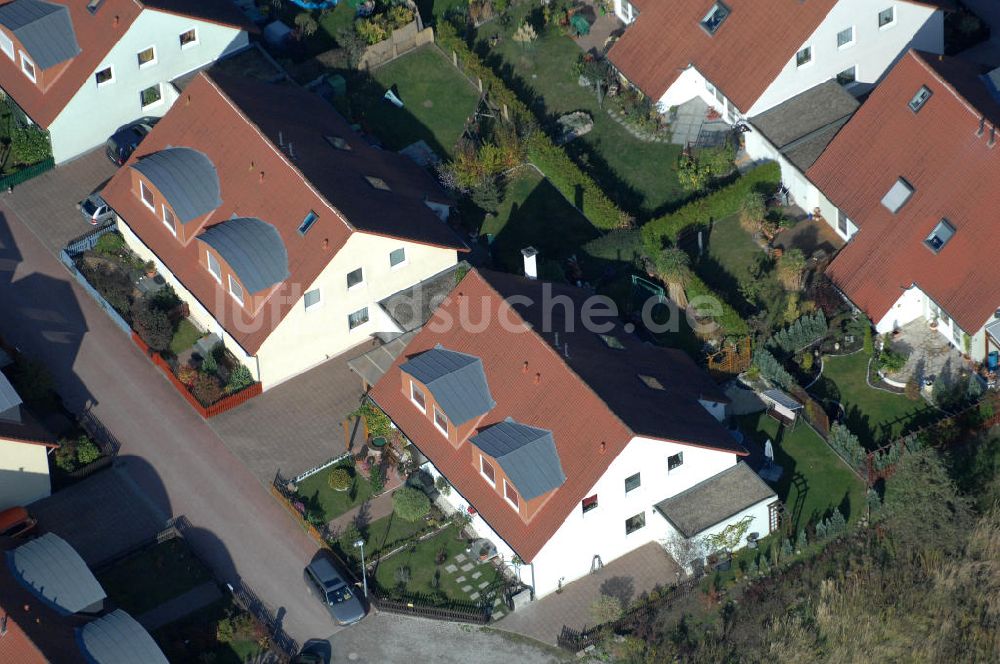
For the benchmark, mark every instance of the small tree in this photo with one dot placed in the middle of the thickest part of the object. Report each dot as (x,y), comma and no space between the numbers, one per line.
(239,378)
(410,504)
(442,485)
(605,609)
(152,325)
(375,480)
(208,363)
(87,451)
(752,212)
(791,269)
(339,479)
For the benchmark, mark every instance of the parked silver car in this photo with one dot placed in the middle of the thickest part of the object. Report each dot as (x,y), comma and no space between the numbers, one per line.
(327,583)
(95,209)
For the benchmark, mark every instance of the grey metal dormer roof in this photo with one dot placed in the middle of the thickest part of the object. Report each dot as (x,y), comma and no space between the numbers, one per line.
(53,571)
(44,29)
(527,455)
(10,401)
(253,249)
(118,639)
(187,179)
(457,381)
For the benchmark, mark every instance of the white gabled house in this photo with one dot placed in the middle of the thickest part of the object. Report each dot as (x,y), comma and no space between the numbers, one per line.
(569,447)
(24,449)
(82,69)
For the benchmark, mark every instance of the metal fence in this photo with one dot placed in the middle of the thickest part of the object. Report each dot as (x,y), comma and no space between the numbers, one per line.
(26,173)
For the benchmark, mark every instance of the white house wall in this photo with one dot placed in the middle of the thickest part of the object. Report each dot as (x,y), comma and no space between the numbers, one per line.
(24,473)
(912,304)
(94,113)
(307,338)
(690,84)
(874,50)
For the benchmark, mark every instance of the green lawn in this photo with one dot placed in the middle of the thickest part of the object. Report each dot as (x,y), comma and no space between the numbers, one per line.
(534,213)
(426,576)
(341,16)
(433,11)
(641,177)
(815,479)
(875,416)
(318,496)
(151,577)
(732,248)
(438,100)
(184,337)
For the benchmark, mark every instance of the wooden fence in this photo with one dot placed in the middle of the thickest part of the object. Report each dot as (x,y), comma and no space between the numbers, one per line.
(217,408)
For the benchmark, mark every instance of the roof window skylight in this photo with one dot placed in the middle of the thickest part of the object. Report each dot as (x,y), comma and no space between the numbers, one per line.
(714,18)
(897,196)
(940,236)
(919,99)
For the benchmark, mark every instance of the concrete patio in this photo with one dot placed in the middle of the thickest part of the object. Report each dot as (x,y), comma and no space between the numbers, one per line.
(602,30)
(930,354)
(625,578)
(691,125)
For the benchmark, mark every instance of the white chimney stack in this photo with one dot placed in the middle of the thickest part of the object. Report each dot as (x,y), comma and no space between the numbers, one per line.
(530,262)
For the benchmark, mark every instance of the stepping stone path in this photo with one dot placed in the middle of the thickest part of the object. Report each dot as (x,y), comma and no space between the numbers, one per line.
(466,589)
(451,569)
(465,571)
(476,575)
(474,596)
(460,579)
(467,567)
(460,558)
(483,585)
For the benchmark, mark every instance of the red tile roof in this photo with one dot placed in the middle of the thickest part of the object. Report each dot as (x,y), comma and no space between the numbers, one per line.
(742,58)
(238,123)
(592,399)
(96,34)
(955,175)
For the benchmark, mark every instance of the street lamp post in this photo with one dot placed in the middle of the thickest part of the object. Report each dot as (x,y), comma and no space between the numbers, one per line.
(360,544)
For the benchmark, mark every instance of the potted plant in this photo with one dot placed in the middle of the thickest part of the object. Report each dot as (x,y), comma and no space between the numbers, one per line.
(150,268)
(934,323)
(484,552)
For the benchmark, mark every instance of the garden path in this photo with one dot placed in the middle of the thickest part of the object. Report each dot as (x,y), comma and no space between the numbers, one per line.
(372,510)
(469,576)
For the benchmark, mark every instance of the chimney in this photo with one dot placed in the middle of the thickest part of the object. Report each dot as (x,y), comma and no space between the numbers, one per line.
(524,369)
(557,340)
(982,126)
(538,378)
(262,176)
(116,21)
(281,139)
(566,350)
(530,264)
(291,151)
(326,244)
(993,137)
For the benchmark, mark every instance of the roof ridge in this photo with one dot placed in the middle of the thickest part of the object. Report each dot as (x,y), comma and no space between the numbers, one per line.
(284,158)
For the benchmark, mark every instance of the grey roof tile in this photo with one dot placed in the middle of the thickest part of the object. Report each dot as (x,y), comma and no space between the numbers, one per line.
(53,571)
(118,639)
(9,398)
(527,455)
(456,380)
(252,248)
(45,29)
(187,179)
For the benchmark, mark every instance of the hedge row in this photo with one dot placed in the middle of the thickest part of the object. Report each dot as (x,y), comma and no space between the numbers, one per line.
(722,203)
(731,323)
(578,187)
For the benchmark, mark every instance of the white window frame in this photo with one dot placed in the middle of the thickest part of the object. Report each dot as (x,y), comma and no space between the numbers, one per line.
(212,260)
(359,325)
(358,285)
(852,83)
(7,45)
(445,417)
(890,24)
(807,47)
(165,211)
(482,462)
(146,65)
(238,298)
(513,489)
(190,44)
(30,63)
(413,388)
(315,305)
(852,42)
(142,197)
(401,263)
(110,81)
(159,87)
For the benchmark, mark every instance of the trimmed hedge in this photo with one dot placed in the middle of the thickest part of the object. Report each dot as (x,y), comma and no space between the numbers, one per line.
(579,188)
(722,203)
(731,323)
(616,246)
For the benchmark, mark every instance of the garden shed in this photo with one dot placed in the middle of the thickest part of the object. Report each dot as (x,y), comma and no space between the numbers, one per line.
(781,406)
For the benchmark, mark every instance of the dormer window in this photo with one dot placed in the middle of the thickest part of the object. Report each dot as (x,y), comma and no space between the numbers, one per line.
(7,45)
(486,468)
(27,66)
(714,18)
(417,396)
(168,219)
(441,420)
(940,236)
(235,289)
(510,493)
(897,196)
(919,99)
(146,194)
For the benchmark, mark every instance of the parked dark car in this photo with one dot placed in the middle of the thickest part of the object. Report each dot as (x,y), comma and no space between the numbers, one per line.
(123,142)
(326,582)
(16,522)
(314,651)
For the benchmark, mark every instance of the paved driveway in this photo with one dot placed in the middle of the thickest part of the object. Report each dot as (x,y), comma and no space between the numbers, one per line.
(296,425)
(52,197)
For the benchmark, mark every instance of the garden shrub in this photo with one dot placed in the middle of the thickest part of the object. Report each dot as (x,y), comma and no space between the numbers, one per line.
(348,536)
(239,379)
(152,325)
(847,445)
(410,504)
(803,332)
(114,285)
(206,389)
(618,245)
(187,375)
(29,146)
(110,244)
(65,456)
(729,320)
(605,609)
(209,364)
(376,480)
(87,451)
(718,205)
(442,485)
(339,479)
(772,369)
